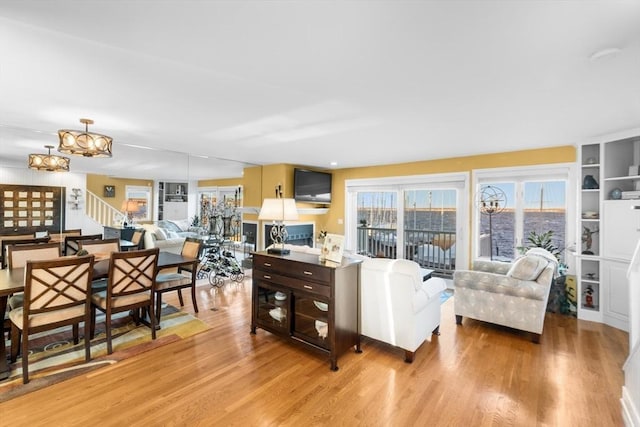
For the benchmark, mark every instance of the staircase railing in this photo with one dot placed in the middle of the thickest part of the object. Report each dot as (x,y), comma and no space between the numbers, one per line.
(101,211)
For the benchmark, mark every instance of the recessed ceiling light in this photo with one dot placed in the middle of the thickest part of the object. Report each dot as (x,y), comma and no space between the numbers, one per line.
(334,164)
(610,51)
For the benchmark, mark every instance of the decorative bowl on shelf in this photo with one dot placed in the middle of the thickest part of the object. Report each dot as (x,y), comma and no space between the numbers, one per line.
(322,306)
(590,215)
(281,296)
(322,328)
(278,314)
(616,194)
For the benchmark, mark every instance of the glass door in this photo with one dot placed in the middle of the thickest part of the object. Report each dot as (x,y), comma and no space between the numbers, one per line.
(430,228)
(311,319)
(272,308)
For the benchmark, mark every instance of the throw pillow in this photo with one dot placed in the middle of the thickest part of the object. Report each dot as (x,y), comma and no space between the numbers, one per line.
(527,267)
(160,234)
(172,235)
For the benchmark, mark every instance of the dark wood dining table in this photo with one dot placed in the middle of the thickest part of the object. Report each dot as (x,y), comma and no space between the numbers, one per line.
(12,281)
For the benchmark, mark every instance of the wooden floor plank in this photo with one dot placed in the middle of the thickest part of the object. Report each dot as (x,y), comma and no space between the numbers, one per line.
(475,374)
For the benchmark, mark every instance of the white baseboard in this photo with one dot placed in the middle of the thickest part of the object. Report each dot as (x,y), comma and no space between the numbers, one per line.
(630,413)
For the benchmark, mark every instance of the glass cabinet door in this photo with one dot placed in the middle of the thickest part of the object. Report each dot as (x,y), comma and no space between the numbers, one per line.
(311,320)
(272,309)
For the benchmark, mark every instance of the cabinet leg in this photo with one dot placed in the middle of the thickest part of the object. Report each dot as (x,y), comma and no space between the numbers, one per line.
(458,319)
(253,330)
(358,348)
(436,331)
(334,365)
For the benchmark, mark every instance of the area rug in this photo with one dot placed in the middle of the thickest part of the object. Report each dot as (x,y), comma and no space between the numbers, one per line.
(54,358)
(445,295)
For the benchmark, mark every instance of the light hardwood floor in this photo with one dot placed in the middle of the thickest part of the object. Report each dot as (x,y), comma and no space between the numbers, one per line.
(472,375)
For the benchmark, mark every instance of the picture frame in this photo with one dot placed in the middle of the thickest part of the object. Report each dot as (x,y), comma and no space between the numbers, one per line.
(333,248)
(109,191)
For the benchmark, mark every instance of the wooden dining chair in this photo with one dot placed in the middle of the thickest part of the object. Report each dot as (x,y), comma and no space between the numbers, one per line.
(138,239)
(56,293)
(96,246)
(130,286)
(18,255)
(21,241)
(72,245)
(167,282)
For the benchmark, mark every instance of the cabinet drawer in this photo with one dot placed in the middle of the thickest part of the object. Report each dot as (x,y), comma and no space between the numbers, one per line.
(300,270)
(292,283)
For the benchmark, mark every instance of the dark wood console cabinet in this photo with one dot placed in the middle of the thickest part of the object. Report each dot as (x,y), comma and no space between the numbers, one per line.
(307,301)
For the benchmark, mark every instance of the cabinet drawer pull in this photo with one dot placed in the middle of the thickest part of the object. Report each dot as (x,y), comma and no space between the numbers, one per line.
(308,287)
(266,264)
(266,276)
(308,273)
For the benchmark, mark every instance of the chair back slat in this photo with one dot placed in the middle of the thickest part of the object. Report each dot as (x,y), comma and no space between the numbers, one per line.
(105,246)
(18,255)
(132,272)
(57,284)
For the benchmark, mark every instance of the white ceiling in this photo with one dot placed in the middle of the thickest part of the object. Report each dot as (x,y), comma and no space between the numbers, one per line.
(311,82)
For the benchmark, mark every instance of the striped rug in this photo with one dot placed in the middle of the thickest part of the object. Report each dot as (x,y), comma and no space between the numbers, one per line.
(53,356)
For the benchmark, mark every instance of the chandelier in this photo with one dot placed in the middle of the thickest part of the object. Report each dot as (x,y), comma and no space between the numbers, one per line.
(49,162)
(85,143)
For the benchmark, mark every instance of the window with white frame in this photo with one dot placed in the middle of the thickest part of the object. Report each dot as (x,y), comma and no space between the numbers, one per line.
(530,202)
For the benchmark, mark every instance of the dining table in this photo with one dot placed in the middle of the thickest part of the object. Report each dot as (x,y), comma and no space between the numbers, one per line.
(12,281)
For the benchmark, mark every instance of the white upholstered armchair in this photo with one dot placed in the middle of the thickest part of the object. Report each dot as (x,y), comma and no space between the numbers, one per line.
(508,294)
(396,306)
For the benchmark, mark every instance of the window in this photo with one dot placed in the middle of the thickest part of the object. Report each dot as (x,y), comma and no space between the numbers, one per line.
(533,201)
(142,195)
(417,218)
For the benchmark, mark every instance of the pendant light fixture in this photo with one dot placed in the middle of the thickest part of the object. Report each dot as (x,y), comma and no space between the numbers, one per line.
(48,162)
(85,143)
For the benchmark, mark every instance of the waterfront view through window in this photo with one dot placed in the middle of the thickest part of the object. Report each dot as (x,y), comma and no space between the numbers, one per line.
(530,207)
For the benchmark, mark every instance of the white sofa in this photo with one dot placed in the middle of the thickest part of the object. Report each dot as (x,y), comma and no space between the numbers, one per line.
(396,306)
(158,237)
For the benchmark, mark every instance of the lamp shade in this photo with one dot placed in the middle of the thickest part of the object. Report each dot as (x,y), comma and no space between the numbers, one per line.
(49,162)
(278,210)
(85,143)
(130,206)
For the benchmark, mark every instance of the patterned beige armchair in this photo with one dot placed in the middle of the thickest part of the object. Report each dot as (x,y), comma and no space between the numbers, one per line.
(508,294)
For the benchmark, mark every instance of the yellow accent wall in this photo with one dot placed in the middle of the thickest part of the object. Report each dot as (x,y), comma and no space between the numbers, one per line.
(264,182)
(96,183)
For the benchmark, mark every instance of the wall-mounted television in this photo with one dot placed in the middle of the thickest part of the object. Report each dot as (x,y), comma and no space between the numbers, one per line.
(311,186)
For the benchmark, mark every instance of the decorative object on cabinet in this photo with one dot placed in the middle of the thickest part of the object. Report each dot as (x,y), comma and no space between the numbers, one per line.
(333,248)
(75,199)
(587,240)
(87,144)
(491,201)
(615,194)
(109,191)
(49,162)
(278,210)
(590,183)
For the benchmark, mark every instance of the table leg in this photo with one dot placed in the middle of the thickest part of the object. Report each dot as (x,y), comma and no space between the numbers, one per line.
(4,366)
